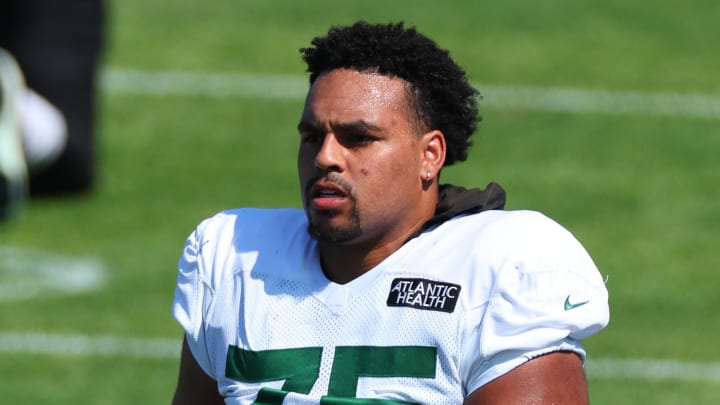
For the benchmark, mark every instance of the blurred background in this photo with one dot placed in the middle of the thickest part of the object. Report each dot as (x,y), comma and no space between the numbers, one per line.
(603,115)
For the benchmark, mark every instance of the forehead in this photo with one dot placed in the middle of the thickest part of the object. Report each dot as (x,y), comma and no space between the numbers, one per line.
(349,94)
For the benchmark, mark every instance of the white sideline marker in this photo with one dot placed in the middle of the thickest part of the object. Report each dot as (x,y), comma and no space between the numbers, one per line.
(279,87)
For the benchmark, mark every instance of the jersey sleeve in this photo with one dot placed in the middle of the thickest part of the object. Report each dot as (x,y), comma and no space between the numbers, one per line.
(193,295)
(547,295)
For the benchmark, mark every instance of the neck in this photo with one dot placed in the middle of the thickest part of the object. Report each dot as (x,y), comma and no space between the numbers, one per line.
(343,263)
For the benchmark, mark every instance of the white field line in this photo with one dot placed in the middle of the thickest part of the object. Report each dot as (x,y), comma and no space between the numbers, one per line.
(278,87)
(28,273)
(653,369)
(89,346)
(28,343)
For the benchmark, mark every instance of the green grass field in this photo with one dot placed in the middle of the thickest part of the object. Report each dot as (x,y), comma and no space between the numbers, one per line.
(639,187)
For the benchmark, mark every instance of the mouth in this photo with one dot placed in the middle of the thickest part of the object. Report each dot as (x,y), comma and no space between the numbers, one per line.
(327,196)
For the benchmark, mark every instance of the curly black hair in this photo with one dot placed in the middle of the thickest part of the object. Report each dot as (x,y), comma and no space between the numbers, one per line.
(439,89)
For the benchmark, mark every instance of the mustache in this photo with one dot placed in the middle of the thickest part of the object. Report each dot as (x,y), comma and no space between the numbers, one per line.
(332,178)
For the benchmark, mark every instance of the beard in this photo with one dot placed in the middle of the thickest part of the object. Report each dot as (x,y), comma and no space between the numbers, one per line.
(322,231)
(319,221)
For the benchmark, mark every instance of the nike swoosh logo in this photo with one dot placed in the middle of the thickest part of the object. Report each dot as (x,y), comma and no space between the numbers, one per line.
(569,306)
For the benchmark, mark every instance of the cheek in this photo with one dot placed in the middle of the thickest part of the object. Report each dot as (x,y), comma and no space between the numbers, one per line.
(364,171)
(305,161)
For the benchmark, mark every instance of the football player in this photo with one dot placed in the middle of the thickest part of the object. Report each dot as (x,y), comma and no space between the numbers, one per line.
(388,287)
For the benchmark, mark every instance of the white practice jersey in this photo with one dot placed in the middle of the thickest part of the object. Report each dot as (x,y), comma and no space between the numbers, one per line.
(452,309)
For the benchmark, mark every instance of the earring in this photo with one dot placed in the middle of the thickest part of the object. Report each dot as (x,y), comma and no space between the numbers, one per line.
(427,176)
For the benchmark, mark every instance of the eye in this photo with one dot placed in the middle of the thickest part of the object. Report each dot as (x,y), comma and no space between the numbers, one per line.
(356,134)
(311,138)
(360,139)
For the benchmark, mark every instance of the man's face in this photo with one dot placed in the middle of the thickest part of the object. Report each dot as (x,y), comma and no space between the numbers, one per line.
(359,161)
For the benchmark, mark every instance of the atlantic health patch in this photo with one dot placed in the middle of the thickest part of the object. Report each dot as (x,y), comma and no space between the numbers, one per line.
(423,294)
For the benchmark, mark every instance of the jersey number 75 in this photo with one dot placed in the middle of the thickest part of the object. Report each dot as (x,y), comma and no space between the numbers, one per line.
(300,368)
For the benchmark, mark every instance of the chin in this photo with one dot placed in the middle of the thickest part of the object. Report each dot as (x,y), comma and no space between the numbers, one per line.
(335,235)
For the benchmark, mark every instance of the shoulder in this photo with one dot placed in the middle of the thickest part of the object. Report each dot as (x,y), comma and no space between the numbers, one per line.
(503,234)
(221,246)
(253,226)
(508,257)
(248,220)
(233,239)
(485,243)
(518,225)
(494,252)
(543,292)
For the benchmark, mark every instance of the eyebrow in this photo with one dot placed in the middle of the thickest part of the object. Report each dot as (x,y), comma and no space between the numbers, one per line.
(304,126)
(350,126)
(359,126)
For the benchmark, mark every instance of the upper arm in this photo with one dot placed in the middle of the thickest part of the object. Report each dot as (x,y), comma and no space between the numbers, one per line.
(194,386)
(554,378)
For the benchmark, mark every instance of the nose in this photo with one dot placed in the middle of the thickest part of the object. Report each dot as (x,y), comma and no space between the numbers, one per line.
(329,156)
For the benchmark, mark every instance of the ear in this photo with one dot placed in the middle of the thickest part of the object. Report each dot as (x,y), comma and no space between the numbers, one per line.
(433,154)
